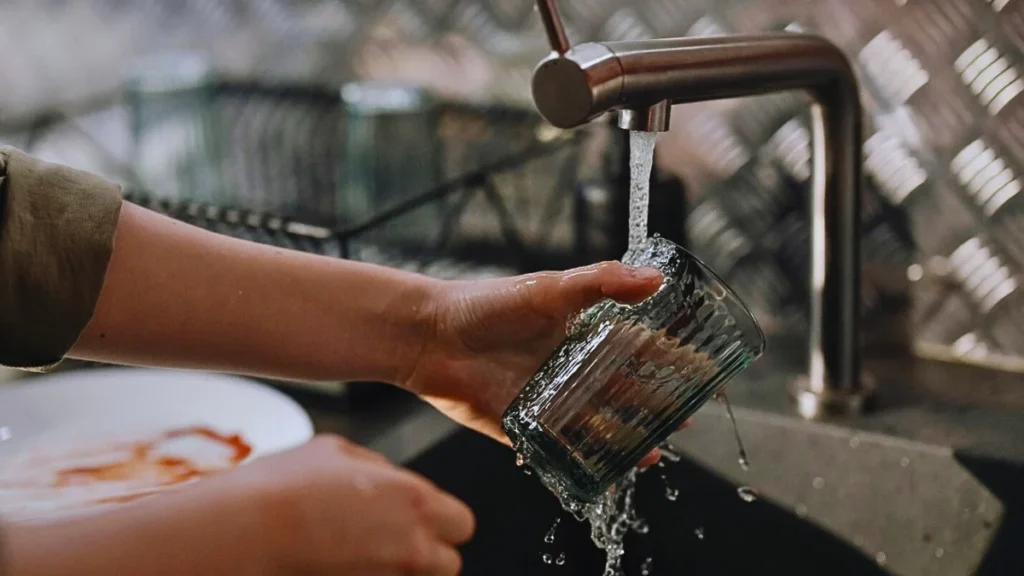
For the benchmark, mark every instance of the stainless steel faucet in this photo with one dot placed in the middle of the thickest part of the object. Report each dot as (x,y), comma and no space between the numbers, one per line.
(640,81)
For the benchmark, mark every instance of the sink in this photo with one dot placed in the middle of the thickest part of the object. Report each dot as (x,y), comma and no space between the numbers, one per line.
(913,507)
(931,483)
(514,513)
(826,506)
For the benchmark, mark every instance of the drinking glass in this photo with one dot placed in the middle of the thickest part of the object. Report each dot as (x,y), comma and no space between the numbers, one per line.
(627,376)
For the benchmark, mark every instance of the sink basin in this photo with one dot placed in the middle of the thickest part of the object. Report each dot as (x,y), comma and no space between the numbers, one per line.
(914,508)
(929,484)
(514,513)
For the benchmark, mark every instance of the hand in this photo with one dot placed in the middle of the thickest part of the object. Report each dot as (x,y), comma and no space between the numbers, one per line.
(342,509)
(329,507)
(490,336)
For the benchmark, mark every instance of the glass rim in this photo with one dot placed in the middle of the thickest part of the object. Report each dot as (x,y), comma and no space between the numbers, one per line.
(747,316)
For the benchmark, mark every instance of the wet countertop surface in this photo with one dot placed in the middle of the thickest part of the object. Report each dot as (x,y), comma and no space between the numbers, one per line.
(956,406)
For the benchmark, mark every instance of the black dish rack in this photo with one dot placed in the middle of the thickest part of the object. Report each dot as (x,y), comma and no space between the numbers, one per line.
(515,194)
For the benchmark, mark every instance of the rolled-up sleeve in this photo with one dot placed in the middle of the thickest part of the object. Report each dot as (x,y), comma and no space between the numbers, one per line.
(57,230)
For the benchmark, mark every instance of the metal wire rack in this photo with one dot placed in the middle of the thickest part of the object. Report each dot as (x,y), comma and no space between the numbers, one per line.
(510,193)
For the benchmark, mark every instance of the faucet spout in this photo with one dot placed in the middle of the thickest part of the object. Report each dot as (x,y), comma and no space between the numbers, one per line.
(639,80)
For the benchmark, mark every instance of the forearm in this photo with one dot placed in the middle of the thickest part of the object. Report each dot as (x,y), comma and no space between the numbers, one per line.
(178,296)
(169,535)
(5,560)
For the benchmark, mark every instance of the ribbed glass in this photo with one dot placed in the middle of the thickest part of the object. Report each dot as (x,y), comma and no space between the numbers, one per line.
(626,377)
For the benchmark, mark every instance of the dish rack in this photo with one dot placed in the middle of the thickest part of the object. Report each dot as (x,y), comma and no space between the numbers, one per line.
(512,195)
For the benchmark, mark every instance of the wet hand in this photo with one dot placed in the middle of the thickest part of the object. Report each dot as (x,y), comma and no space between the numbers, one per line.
(489,337)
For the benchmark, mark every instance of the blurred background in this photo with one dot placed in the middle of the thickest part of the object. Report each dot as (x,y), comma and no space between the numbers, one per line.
(402,131)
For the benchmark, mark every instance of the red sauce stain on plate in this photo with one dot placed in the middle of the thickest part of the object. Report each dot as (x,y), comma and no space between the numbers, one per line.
(124,472)
(140,462)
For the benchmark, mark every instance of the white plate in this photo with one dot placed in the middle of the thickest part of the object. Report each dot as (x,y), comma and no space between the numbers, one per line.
(51,423)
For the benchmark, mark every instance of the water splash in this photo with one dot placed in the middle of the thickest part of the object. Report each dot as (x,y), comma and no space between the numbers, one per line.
(549,538)
(669,454)
(641,160)
(610,518)
(647,568)
(746,493)
(743,460)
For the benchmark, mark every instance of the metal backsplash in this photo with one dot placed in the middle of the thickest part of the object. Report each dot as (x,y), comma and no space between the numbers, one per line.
(944,153)
(942,81)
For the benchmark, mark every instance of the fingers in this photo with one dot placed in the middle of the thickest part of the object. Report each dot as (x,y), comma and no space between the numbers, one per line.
(447,516)
(650,460)
(569,292)
(450,519)
(444,560)
(653,456)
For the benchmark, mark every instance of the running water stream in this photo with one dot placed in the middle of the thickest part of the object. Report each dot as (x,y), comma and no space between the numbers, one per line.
(613,515)
(641,160)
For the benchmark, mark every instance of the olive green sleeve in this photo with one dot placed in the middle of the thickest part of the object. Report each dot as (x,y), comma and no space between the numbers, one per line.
(57,230)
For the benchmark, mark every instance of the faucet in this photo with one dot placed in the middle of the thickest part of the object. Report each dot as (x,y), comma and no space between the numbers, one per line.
(639,81)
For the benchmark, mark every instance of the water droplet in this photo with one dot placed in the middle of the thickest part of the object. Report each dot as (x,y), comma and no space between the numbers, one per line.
(561,559)
(661,463)
(880,558)
(550,536)
(939,552)
(743,462)
(904,462)
(818,483)
(699,533)
(527,471)
(647,567)
(854,442)
(747,494)
(5,433)
(520,460)
(670,454)
(547,558)
(801,510)
(641,527)
(671,493)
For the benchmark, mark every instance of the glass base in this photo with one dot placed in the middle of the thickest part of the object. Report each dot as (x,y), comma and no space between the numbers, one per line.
(558,466)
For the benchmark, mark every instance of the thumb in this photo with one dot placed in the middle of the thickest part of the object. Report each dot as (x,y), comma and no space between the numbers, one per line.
(569,292)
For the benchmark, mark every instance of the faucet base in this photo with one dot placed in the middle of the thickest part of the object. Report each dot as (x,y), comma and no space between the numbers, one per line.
(816,402)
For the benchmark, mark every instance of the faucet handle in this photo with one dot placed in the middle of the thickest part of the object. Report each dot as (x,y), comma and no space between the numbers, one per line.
(553,26)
